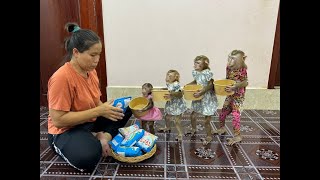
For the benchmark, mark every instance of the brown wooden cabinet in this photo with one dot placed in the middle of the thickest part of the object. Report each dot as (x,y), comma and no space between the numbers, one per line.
(53,16)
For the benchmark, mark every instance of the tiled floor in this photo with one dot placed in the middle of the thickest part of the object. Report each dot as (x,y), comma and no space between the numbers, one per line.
(256,157)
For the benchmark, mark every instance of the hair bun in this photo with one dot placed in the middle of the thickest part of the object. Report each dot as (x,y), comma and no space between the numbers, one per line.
(76,28)
(72,27)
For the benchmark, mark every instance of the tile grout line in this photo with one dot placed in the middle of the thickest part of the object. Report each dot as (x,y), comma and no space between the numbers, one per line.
(226,151)
(43,122)
(261,126)
(116,172)
(165,157)
(184,159)
(95,169)
(45,151)
(246,156)
(46,113)
(247,172)
(269,123)
(254,167)
(51,163)
(263,129)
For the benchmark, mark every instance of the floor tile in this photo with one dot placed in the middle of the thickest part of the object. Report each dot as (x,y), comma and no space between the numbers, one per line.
(256,157)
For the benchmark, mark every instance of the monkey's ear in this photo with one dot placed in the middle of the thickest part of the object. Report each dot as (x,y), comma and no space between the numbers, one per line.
(177,77)
(244,57)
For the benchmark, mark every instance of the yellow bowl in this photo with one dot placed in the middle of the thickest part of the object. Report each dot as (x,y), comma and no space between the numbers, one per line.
(189,90)
(220,85)
(137,104)
(158,94)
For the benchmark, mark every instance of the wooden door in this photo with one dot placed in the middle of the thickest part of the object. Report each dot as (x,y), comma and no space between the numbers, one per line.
(277,81)
(274,76)
(54,14)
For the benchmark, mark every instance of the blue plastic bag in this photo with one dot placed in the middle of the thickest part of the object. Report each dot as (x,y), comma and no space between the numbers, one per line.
(132,138)
(138,123)
(116,141)
(147,141)
(122,102)
(129,151)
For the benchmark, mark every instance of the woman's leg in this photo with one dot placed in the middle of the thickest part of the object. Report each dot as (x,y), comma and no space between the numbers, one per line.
(104,138)
(79,147)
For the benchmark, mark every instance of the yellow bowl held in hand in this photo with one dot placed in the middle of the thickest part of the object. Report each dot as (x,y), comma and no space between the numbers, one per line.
(158,94)
(137,105)
(220,86)
(189,90)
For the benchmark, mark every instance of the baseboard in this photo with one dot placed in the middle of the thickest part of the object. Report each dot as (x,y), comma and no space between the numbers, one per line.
(256,98)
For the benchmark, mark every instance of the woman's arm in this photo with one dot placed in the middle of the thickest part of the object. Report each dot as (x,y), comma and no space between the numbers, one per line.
(66,119)
(100,103)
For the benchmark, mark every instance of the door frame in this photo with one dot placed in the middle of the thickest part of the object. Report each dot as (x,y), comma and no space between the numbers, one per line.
(275,61)
(91,17)
(88,14)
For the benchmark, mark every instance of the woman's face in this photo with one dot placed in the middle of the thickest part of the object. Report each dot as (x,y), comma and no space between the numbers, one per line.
(88,60)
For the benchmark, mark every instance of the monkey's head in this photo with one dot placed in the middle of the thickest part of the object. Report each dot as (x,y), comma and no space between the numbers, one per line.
(201,63)
(172,76)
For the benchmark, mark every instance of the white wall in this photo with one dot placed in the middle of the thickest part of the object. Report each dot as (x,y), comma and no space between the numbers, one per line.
(146,38)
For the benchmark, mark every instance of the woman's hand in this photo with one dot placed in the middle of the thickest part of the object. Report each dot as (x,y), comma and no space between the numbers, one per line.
(104,139)
(111,112)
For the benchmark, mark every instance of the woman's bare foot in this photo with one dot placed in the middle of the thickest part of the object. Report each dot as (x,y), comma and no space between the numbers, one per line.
(234,140)
(104,139)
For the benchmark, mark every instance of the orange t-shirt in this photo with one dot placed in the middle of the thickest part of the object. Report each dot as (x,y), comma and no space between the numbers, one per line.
(69,91)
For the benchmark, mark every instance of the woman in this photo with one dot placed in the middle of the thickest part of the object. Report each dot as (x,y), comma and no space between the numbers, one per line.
(79,124)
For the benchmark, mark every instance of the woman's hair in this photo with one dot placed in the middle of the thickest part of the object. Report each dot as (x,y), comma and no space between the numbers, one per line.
(235,52)
(176,74)
(205,61)
(149,86)
(81,39)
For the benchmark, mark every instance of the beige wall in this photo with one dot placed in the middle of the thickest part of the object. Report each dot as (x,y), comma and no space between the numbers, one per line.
(146,38)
